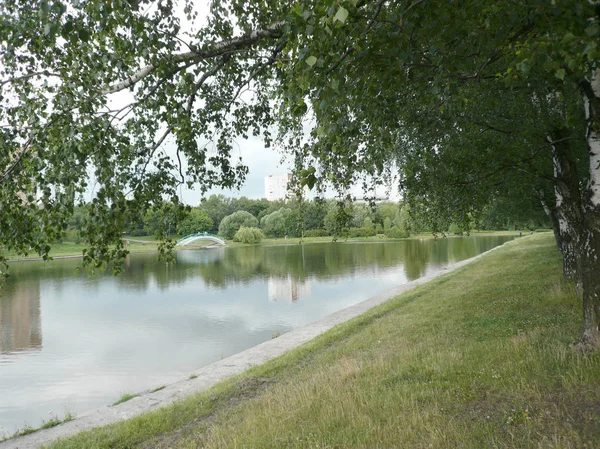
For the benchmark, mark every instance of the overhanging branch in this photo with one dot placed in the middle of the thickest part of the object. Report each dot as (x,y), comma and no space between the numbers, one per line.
(211,51)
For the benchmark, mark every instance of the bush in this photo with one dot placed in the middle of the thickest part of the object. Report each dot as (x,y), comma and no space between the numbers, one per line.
(362,232)
(397,233)
(248,235)
(316,233)
(455,229)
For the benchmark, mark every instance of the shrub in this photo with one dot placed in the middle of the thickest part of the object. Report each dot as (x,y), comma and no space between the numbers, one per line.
(397,233)
(248,235)
(362,232)
(316,233)
(455,229)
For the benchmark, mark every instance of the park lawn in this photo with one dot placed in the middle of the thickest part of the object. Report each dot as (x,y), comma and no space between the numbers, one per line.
(71,249)
(481,357)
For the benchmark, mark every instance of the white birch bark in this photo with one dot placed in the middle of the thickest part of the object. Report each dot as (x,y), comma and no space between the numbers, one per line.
(594,142)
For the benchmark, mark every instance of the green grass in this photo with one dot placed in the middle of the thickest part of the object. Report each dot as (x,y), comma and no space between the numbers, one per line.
(162,387)
(481,357)
(127,397)
(52,422)
(70,249)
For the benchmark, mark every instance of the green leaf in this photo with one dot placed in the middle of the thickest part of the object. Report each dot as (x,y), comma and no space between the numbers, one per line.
(524,67)
(311,60)
(67,28)
(341,15)
(84,35)
(560,74)
(592,30)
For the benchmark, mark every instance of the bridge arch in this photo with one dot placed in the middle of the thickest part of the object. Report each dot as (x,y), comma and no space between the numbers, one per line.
(199,236)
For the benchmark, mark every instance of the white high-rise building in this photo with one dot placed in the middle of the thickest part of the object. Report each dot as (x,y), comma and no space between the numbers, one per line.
(276,187)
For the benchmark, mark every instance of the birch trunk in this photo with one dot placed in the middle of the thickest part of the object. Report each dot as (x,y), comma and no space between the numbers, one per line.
(569,268)
(567,215)
(590,247)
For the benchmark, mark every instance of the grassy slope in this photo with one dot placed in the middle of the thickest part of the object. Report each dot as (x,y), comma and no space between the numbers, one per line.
(478,358)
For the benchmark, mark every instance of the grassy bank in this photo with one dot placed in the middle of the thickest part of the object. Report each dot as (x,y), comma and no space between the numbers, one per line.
(71,249)
(478,358)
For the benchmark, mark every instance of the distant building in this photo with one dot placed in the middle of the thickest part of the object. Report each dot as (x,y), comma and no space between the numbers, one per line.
(276,187)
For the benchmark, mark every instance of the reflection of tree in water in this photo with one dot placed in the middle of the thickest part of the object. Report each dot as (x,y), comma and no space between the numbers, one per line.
(227,266)
(221,267)
(302,262)
(239,265)
(416,255)
(20,321)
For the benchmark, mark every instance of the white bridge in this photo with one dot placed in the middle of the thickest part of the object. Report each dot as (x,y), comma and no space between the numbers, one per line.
(199,236)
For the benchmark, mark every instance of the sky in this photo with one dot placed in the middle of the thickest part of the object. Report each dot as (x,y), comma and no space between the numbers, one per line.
(261,162)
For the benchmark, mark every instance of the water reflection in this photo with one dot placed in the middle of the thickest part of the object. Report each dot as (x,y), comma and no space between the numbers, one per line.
(287,289)
(156,323)
(20,318)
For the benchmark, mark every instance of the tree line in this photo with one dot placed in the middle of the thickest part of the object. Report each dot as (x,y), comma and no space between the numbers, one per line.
(223,215)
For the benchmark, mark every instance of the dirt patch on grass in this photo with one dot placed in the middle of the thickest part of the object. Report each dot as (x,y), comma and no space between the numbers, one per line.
(245,389)
(555,415)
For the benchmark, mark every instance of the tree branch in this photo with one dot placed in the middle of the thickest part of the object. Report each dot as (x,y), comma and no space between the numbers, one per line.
(29,75)
(272,58)
(217,49)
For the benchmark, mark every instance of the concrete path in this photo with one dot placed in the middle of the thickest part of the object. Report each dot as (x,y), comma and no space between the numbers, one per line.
(215,372)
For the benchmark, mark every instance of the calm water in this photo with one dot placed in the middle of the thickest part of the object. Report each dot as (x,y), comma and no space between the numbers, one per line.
(71,342)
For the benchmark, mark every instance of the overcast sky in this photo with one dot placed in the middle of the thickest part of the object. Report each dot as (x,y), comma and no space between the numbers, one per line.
(261,162)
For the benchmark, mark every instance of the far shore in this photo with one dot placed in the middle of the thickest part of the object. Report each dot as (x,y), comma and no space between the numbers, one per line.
(70,250)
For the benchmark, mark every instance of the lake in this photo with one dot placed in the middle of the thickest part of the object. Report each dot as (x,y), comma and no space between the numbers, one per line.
(71,341)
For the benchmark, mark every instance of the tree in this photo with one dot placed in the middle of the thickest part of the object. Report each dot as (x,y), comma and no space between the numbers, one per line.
(217,207)
(373,75)
(419,106)
(196,221)
(255,207)
(232,223)
(162,219)
(274,224)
